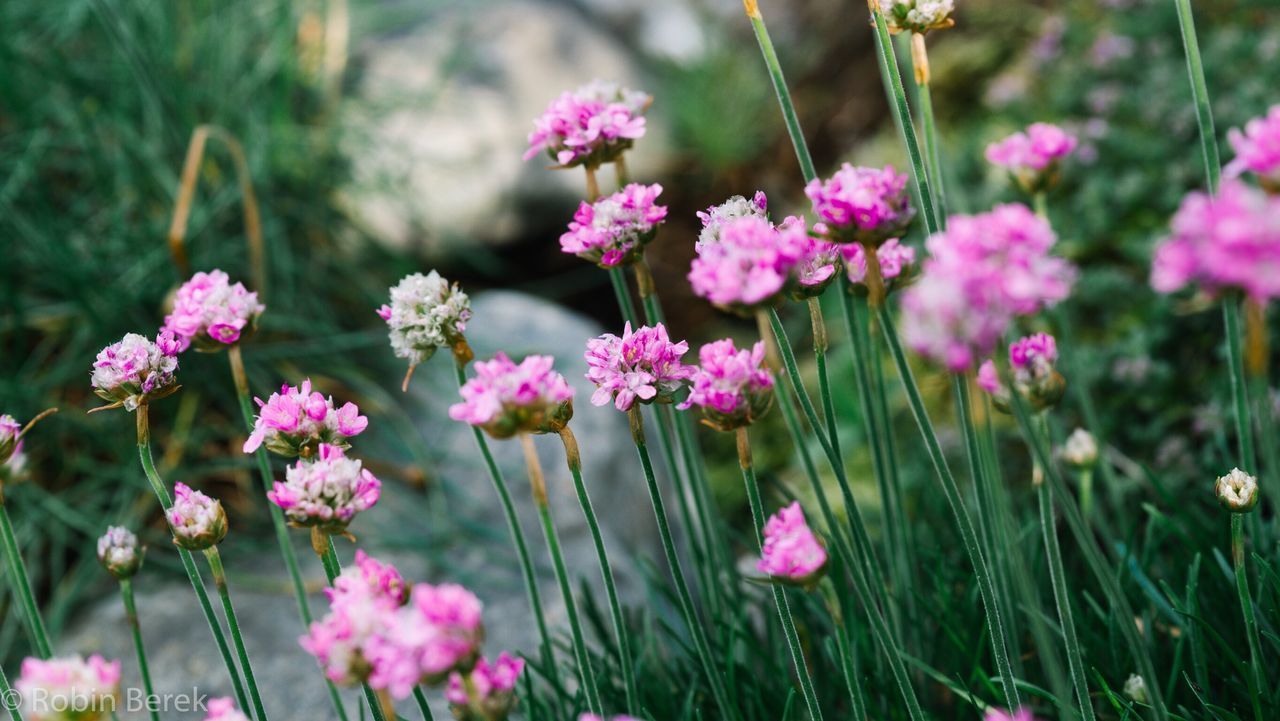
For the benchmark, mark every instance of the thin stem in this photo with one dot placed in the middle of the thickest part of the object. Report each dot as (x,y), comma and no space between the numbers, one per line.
(131,615)
(385,704)
(574,462)
(6,692)
(623,295)
(1200,93)
(322,544)
(932,148)
(819,326)
(1256,677)
(22,586)
(844,651)
(538,482)
(1239,385)
(233,624)
(789,115)
(420,697)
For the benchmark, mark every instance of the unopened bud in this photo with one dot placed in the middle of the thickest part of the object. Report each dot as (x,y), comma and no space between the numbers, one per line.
(1135,688)
(1080,450)
(119,552)
(198,521)
(1237,491)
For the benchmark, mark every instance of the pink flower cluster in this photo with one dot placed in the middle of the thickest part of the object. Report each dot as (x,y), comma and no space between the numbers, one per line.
(135,370)
(223,709)
(819,261)
(494,687)
(731,386)
(437,632)
(592,125)
(209,310)
(70,688)
(791,552)
(1034,376)
(1034,355)
(754,264)
(895,259)
(362,603)
(197,521)
(594,717)
(1258,149)
(983,271)
(1033,156)
(642,365)
(297,420)
(327,492)
(864,205)
(714,218)
(1228,242)
(10,437)
(996,714)
(614,230)
(506,398)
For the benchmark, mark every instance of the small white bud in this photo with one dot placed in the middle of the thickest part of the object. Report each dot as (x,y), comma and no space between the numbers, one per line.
(1237,491)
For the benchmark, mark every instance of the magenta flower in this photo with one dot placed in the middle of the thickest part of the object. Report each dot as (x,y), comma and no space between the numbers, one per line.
(197,521)
(614,230)
(861,205)
(297,420)
(70,688)
(1033,157)
(1223,243)
(791,553)
(424,315)
(754,265)
(1258,149)
(436,633)
(1033,355)
(590,126)
(996,714)
(326,493)
(10,437)
(988,379)
(135,371)
(895,259)
(819,261)
(731,386)
(594,717)
(362,606)
(714,218)
(212,312)
(224,709)
(1035,378)
(119,552)
(643,365)
(493,686)
(505,398)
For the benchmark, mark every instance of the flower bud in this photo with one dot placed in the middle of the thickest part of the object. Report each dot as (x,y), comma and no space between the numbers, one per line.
(488,692)
(119,552)
(10,437)
(1034,376)
(1135,688)
(791,553)
(198,521)
(1080,450)
(1237,491)
(917,16)
(135,370)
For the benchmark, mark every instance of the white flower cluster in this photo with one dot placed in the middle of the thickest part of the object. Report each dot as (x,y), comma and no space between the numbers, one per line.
(919,16)
(425,314)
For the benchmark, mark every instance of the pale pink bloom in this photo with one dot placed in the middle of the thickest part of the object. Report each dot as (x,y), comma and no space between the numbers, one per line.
(996,714)
(614,230)
(10,437)
(426,313)
(210,310)
(988,379)
(119,552)
(134,370)
(70,688)
(791,552)
(1258,149)
(594,717)
(819,260)
(590,126)
(326,493)
(731,386)
(297,420)
(895,258)
(1033,355)
(362,606)
(494,685)
(223,709)
(714,218)
(437,632)
(858,204)
(1033,157)
(505,398)
(1228,242)
(643,365)
(754,264)
(197,520)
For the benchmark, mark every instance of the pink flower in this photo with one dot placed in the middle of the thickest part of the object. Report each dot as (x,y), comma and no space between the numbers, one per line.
(714,218)
(1258,149)
(988,379)
(593,717)
(863,205)
(437,632)
(614,230)
(70,688)
(197,521)
(10,437)
(362,606)
(643,365)
(135,370)
(211,311)
(1034,354)
(753,265)
(819,260)
(494,686)
(296,421)
(326,493)
(1231,242)
(731,386)
(223,709)
(590,126)
(894,257)
(1034,376)
(995,714)
(505,398)
(119,552)
(1033,157)
(791,552)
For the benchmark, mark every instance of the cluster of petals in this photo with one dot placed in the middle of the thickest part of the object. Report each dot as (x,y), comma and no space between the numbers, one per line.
(895,259)
(1032,360)
(197,521)
(10,436)
(731,386)
(363,602)
(595,717)
(506,397)
(70,688)
(643,365)
(791,551)
(614,230)
(714,218)
(134,370)
(437,632)
(118,552)
(997,714)
(589,126)
(1257,149)
(1227,242)
(819,261)
(297,420)
(210,310)
(858,204)
(223,709)
(425,314)
(492,689)
(327,492)
(918,16)
(1034,150)
(983,271)
(754,263)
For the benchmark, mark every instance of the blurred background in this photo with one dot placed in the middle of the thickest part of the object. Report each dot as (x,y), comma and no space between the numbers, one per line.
(384,137)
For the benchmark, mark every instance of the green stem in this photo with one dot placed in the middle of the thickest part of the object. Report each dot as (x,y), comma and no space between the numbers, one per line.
(847,658)
(932,148)
(131,615)
(332,569)
(1256,677)
(623,295)
(6,692)
(424,708)
(1200,93)
(789,115)
(233,624)
(22,586)
(819,325)
(1239,385)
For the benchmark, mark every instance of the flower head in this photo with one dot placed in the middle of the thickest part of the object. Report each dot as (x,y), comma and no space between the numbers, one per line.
(1080,449)
(862,205)
(753,265)
(70,688)
(494,687)
(917,16)
(119,552)
(643,366)
(326,493)
(1033,156)
(791,552)
(198,521)
(1034,376)
(505,398)
(438,632)
(1226,242)
(1135,688)
(10,437)
(211,311)
(135,370)
(425,314)
(996,714)
(1237,491)
(714,218)
(614,230)
(297,420)
(1258,149)
(731,386)
(592,125)
(224,709)
(819,262)
(896,261)
(362,606)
